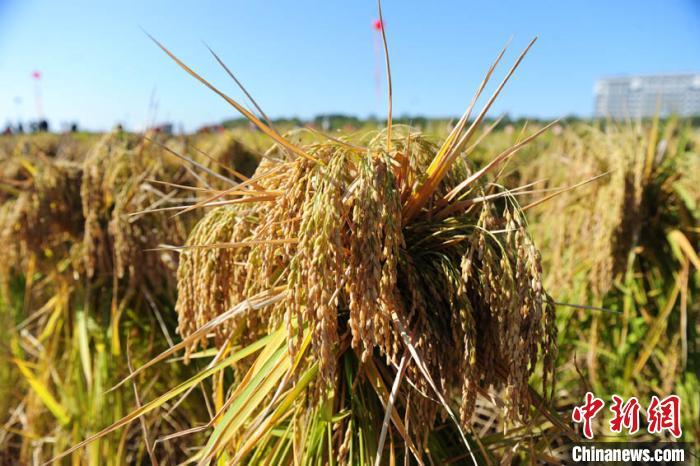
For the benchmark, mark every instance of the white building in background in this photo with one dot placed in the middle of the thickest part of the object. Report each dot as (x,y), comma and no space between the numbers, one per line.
(642,96)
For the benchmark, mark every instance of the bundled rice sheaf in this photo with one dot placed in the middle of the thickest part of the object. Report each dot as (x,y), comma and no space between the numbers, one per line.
(395,253)
(645,194)
(335,234)
(43,219)
(54,202)
(118,175)
(77,279)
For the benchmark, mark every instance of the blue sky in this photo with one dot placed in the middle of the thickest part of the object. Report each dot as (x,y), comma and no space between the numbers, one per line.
(304,57)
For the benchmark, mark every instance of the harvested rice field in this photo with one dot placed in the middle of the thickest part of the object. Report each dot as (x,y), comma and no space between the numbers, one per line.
(383,293)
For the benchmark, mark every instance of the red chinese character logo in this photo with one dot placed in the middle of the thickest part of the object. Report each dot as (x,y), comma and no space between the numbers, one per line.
(587,412)
(665,415)
(626,415)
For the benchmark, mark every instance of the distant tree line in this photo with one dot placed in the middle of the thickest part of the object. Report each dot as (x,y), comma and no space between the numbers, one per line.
(339,121)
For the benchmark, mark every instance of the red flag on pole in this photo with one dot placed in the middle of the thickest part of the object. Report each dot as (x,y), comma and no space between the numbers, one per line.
(36,76)
(377,28)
